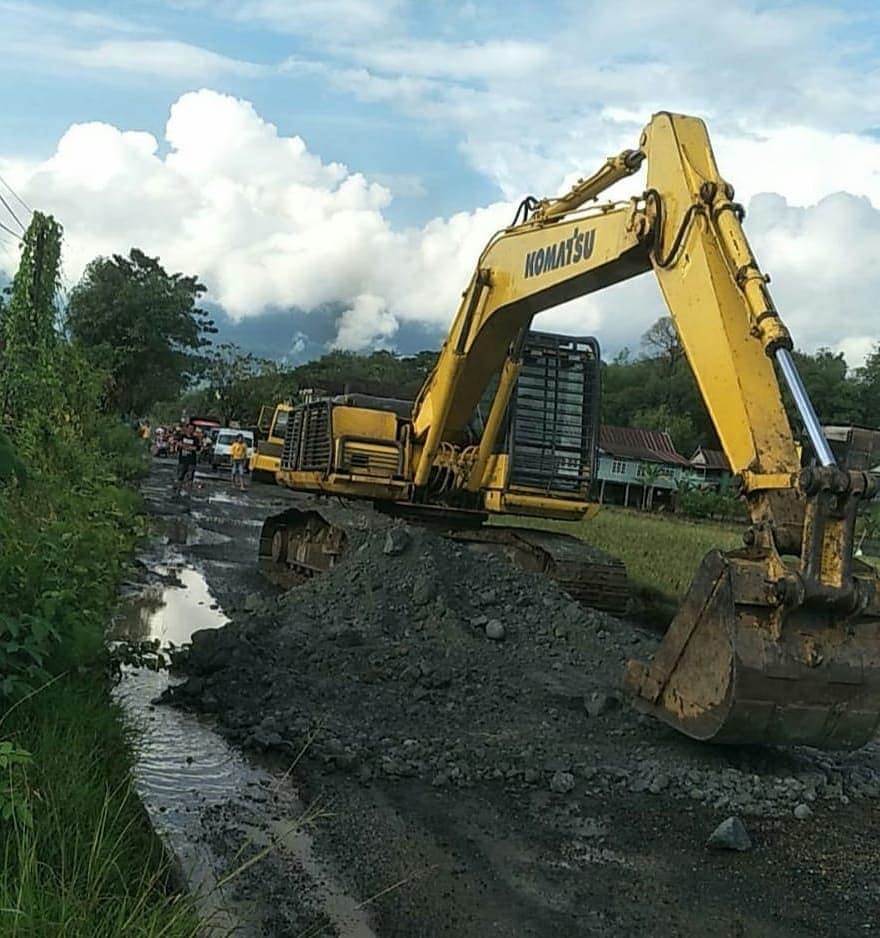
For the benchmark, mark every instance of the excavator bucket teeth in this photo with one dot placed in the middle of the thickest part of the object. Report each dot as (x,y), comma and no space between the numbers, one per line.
(734,667)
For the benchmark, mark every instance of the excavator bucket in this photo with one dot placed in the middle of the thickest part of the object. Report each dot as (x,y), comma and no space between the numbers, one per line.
(743,662)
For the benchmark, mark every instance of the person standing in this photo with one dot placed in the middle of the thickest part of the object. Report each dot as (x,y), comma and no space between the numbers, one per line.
(238,458)
(187,453)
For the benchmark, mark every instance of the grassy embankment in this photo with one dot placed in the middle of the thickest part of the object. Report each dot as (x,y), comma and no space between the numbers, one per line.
(79,858)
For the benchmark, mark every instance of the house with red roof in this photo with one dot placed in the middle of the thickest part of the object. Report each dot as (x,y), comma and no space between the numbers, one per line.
(637,467)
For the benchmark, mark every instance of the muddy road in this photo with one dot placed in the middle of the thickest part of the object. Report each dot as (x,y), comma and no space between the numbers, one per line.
(451,732)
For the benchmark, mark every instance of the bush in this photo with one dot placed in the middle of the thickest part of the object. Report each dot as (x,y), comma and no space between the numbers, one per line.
(722,504)
(65,539)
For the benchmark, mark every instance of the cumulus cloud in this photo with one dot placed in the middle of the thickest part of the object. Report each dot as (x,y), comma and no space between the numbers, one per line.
(822,259)
(268,225)
(265,222)
(367,324)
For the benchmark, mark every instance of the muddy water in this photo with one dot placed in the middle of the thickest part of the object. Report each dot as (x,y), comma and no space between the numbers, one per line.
(200,793)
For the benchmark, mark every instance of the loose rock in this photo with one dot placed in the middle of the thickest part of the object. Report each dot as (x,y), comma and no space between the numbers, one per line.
(252,602)
(600,703)
(495,630)
(730,834)
(396,541)
(562,783)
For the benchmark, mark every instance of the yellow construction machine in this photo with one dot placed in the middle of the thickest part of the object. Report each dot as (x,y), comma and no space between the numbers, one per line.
(777,642)
(265,462)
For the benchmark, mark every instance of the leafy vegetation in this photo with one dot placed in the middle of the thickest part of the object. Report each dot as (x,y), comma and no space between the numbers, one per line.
(141,326)
(721,504)
(78,857)
(87,865)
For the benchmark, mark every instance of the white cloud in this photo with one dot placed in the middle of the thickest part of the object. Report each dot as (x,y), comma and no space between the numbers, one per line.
(823,263)
(164,58)
(782,86)
(314,19)
(367,324)
(496,59)
(266,223)
(48,16)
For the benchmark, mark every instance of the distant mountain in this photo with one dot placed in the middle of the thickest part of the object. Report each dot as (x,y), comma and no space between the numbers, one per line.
(294,335)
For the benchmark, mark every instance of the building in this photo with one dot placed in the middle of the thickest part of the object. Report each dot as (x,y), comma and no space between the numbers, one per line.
(638,467)
(710,467)
(855,447)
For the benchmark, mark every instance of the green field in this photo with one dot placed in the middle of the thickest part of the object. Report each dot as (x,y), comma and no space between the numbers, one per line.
(661,552)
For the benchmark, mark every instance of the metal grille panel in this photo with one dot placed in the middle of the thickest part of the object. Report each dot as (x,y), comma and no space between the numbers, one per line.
(553,428)
(307,444)
(292,436)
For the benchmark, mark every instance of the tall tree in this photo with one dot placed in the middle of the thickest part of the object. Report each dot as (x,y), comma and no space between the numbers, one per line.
(657,390)
(868,389)
(834,393)
(28,323)
(661,341)
(141,325)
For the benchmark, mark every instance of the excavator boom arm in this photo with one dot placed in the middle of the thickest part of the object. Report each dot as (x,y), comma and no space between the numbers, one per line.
(687,229)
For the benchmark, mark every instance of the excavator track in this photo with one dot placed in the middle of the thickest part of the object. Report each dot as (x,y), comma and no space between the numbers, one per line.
(297,544)
(300,543)
(585,573)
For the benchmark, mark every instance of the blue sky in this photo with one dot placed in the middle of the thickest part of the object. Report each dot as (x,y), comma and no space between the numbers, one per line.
(346,159)
(41,103)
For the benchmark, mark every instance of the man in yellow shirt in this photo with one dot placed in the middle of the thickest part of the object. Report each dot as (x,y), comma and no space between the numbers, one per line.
(238,456)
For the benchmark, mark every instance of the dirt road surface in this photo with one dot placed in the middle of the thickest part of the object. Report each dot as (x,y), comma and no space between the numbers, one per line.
(456,727)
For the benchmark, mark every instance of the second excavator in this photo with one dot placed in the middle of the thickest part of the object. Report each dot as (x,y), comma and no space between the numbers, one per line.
(778,642)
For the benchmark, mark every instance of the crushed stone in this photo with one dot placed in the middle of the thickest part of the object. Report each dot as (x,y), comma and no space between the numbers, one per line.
(392,665)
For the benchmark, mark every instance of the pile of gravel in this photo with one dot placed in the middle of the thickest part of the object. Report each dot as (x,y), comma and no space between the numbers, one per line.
(416,657)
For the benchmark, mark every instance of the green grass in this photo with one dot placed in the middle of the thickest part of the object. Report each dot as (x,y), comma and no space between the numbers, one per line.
(89,865)
(661,552)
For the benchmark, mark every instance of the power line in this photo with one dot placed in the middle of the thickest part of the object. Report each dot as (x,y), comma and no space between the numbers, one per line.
(14,234)
(17,196)
(9,209)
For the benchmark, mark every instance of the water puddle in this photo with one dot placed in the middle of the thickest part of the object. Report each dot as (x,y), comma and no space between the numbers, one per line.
(196,788)
(229,498)
(169,613)
(181,531)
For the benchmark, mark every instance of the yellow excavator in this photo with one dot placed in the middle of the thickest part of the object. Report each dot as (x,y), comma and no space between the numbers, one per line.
(777,642)
(265,463)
